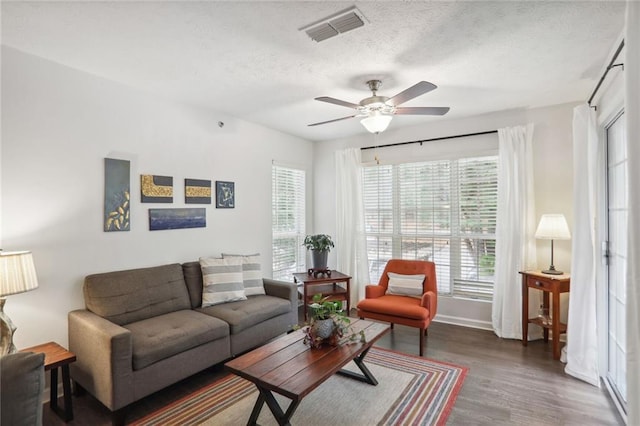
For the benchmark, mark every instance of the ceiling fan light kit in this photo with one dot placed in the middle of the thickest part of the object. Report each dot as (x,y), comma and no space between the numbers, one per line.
(377,111)
(376,123)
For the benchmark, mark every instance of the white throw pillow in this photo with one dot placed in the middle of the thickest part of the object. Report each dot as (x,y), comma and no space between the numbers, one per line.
(251,273)
(222,280)
(405,285)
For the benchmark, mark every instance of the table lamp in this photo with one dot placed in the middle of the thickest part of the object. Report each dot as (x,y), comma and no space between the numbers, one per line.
(553,227)
(17,275)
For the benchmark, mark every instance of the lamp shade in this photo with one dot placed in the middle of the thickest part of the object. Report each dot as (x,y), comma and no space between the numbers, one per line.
(376,122)
(17,273)
(553,227)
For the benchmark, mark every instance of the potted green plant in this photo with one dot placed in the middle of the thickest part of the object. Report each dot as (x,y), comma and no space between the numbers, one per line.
(320,245)
(329,324)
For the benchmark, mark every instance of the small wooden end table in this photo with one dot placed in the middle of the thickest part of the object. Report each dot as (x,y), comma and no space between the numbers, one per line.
(325,284)
(549,285)
(55,356)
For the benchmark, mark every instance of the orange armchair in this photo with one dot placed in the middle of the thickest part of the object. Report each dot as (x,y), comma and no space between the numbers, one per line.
(413,311)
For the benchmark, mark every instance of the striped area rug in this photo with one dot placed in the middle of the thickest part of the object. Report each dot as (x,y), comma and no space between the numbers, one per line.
(411,391)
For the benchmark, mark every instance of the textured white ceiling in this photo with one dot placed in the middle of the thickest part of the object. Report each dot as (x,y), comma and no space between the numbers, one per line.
(249,60)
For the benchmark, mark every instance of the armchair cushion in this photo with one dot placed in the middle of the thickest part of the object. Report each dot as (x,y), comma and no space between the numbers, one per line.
(405,285)
(396,306)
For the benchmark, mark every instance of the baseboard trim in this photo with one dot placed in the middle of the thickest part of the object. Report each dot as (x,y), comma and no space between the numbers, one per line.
(464,322)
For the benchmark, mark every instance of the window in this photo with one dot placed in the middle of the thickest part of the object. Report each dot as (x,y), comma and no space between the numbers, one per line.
(443,211)
(288,221)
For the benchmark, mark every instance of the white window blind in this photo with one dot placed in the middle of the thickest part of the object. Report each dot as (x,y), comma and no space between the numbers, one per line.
(443,211)
(288,221)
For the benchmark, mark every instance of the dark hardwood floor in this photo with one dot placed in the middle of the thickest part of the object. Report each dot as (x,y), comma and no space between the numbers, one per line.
(507,384)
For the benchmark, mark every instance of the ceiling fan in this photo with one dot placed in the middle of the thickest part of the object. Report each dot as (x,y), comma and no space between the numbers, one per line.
(377,111)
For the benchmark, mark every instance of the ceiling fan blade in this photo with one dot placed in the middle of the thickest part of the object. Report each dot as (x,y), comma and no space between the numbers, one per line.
(422,110)
(331,121)
(412,92)
(337,102)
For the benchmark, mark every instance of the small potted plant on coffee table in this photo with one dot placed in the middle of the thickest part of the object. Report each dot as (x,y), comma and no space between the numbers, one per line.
(329,324)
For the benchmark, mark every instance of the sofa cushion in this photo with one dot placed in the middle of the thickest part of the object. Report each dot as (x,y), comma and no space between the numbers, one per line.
(222,280)
(246,313)
(193,277)
(128,296)
(161,337)
(251,273)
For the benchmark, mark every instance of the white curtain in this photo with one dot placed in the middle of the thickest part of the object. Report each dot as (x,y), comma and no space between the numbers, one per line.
(632,111)
(351,245)
(515,243)
(582,335)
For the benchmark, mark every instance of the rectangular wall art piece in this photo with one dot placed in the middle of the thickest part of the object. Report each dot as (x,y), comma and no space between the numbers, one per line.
(225,195)
(156,189)
(197,191)
(160,219)
(116,195)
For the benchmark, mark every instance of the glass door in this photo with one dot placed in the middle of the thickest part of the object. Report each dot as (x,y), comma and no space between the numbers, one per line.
(617,206)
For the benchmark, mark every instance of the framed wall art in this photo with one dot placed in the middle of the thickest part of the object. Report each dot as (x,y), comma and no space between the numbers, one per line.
(197,191)
(116,195)
(225,195)
(156,189)
(160,219)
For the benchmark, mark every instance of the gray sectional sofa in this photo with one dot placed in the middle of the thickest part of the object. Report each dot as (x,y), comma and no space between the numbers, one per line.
(145,329)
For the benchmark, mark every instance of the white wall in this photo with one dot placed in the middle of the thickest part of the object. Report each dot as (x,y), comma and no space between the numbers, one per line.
(58,125)
(553,176)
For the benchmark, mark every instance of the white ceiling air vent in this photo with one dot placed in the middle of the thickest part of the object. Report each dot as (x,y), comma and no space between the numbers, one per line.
(333,25)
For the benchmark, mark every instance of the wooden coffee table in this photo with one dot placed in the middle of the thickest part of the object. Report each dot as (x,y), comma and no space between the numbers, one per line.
(289,367)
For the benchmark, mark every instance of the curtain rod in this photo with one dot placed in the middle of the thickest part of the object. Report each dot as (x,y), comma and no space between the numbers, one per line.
(429,140)
(606,71)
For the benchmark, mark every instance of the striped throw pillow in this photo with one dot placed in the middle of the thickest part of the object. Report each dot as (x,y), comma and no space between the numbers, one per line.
(251,273)
(222,280)
(405,285)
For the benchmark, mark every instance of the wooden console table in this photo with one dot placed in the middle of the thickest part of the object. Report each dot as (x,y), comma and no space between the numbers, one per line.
(549,285)
(325,285)
(55,356)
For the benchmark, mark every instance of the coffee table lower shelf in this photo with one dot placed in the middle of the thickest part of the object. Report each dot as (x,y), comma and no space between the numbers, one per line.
(290,368)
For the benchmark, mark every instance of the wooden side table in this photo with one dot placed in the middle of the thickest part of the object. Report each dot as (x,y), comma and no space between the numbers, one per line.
(325,285)
(550,285)
(55,356)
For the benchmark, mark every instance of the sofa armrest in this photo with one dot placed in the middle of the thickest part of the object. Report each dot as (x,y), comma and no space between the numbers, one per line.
(281,289)
(430,301)
(373,291)
(284,290)
(104,352)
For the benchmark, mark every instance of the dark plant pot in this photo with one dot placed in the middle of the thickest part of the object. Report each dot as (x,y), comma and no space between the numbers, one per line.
(323,328)
(319,259)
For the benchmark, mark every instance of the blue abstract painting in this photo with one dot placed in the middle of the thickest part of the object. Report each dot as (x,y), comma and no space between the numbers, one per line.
(160,219)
